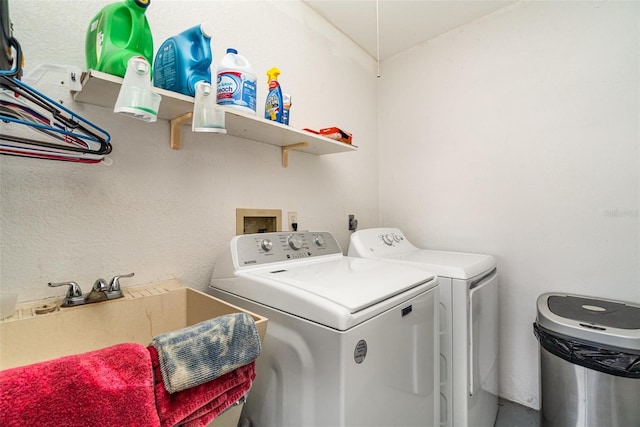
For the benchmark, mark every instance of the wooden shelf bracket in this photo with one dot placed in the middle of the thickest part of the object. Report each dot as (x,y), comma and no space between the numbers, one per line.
(285,152)
(176,129)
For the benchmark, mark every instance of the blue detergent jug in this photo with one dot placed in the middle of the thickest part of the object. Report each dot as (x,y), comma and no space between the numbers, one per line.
(184,60)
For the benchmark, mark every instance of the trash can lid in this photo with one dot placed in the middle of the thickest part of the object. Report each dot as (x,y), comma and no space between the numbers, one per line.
(607,322)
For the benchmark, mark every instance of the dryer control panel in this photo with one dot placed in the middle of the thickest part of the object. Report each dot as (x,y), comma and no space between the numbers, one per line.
(390,239)
(265,248)
(379,243)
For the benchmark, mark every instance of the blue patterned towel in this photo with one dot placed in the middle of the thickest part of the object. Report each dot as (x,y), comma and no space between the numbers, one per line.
(200,353)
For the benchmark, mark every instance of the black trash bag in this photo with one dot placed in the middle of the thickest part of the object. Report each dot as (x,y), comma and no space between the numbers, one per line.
(589,355)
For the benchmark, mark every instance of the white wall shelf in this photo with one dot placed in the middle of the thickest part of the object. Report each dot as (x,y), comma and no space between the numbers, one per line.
(102,89)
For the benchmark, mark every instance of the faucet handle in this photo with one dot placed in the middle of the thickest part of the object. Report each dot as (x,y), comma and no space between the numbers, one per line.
(114,290)
(74,293)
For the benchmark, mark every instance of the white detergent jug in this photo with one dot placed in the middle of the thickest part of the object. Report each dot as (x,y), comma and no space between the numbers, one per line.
(236,83)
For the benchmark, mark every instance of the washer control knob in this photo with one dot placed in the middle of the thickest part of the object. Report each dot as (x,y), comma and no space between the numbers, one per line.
(266,244)
(319,240)
(387,239)
(294,242)
(397,237)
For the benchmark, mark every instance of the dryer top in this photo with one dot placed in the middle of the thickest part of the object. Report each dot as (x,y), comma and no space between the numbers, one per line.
(390,243)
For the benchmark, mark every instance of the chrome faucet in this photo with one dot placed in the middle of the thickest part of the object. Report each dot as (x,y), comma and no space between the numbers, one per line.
(99,292)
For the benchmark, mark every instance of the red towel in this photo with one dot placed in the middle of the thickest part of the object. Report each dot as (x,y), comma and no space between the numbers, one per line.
(108,387)
(197,406)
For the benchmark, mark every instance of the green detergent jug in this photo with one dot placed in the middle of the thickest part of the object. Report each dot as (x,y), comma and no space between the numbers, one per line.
(119,32)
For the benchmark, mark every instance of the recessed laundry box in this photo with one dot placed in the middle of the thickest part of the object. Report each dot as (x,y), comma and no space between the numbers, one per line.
(589,361)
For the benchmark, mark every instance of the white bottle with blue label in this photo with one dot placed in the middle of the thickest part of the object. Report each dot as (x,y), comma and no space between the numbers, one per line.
(236,83)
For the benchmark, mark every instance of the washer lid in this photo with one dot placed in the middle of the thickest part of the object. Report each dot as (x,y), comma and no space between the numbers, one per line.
(339,293)
(352,283)
(455,265)
(613,323)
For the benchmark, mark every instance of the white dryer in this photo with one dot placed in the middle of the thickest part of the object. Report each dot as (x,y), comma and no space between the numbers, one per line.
(350,342)
(468,322)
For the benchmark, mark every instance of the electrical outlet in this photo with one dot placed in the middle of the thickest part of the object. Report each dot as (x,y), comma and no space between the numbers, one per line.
(292,219)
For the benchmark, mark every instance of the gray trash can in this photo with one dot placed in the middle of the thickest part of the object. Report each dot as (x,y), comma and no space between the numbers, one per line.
(589,361)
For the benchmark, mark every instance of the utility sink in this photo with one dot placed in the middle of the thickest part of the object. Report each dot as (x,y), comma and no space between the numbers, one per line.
(41,330)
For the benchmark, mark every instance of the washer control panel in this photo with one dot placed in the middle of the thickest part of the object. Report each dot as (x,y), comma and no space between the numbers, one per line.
(265,248)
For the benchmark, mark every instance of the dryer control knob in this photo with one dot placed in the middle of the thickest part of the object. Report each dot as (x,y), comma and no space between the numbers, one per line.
(319,240)
(294,242)
(397,237)
(266,244)
(387,239)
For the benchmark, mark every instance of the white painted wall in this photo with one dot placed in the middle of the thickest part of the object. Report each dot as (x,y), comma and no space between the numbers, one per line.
(164,213)
(518,135)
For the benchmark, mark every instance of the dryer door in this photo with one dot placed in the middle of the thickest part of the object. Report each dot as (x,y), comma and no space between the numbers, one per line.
(483,334)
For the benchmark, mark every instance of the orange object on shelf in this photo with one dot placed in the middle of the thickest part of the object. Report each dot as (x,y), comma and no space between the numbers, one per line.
(333,133)
(337,134)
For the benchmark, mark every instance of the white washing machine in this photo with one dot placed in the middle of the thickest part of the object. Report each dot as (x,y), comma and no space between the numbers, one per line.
(468,322)
(350,342)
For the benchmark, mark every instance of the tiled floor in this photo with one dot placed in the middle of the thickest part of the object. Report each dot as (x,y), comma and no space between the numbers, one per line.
(512,414)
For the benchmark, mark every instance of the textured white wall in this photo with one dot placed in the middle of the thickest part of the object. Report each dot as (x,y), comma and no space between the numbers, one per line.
(518,135)
(164,213)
